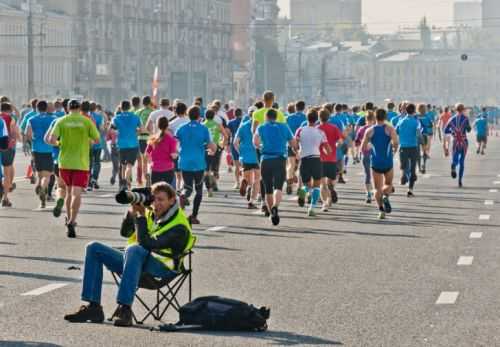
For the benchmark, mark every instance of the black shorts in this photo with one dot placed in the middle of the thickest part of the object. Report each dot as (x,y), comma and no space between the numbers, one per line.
(249,167)
(425,140)
(43,162)
(213,161)
(8,156)
(480,138)
(273,174)
(56,169)
(128,156)
(142,146)
(166,176)
(329,170)
(176,165)
(310,167)
(381,171)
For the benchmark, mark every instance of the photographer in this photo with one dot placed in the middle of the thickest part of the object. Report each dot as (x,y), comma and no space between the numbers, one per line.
(157,237)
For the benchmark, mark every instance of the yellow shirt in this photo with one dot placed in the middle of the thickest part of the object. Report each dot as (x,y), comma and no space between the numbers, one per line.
(260,116)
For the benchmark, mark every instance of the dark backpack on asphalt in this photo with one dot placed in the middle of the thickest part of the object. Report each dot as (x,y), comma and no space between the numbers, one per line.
(216,313)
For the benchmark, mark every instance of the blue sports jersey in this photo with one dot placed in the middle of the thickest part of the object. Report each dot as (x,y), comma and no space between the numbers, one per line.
(126,125)
(408,129)
(98,120)
(247,151)
(274,138)
(39,125)
(193,138)
(427,124)
(481,126)
(295,121)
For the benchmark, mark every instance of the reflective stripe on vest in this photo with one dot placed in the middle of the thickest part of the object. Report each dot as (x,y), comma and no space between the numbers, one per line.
(155,231)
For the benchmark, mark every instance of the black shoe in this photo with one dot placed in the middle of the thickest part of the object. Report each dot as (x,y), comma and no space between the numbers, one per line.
(265,210)
(6,203)
(410,194)
(335,197)
(387,204)
(1,189)
(404,180)
(275,218)
(453,173)
(460,185)
(478,151)
(249,193)
(123,316)
(193,220)
(251,206)
(71,230)
(243,187)
(89,313)
(341,180)
(96,185)
(112,181)
(58,207)
(301,197)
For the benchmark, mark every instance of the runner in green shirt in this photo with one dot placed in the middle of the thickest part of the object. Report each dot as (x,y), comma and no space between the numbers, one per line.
(143,113)
(259,116)
(219,137)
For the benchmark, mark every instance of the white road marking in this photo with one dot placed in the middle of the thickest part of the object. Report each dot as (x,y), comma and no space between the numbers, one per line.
(476,235)
(496,183)
(484,217)
(293,198)
(217,228)
(465,261)
(427,176)
(493,190)
(489,202)
(447,298)
(45,289)
(106,196)
(259,212)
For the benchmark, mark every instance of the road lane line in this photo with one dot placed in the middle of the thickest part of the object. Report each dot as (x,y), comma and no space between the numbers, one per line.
(489,202)
(496,182)
(217,228)
(484,217)
(465,260)
(447,298)
(476,235)
(293,198)
(493,190)
(45,289)
(427,176)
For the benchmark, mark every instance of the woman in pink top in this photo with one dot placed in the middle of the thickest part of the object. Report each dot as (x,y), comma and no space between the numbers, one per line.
(162,151)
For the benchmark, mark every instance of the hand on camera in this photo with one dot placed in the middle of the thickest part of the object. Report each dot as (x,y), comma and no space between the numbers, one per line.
(139,210)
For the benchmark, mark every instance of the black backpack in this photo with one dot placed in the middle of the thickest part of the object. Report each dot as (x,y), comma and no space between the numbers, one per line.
(216,313)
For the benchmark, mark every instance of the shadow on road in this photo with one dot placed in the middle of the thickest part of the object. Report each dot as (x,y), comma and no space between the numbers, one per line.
(48,259)
(26,344)
(4,243)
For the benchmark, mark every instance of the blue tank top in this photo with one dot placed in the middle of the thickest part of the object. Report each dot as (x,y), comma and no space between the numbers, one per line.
(381,152)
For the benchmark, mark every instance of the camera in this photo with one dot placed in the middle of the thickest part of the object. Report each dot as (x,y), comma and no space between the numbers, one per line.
(138,196)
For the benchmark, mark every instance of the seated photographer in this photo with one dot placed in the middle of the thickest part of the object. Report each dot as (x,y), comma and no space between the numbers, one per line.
(157,237)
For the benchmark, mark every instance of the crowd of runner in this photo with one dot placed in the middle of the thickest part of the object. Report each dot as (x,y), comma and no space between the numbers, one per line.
(304,149)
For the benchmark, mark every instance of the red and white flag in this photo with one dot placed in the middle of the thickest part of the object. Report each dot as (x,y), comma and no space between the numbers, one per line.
(156,85)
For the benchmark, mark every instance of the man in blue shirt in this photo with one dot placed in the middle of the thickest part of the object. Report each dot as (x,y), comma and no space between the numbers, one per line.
(96,150)
(233,126)
(427,125)
(243,142)
(481,128)
(458,127)
(272,138)
(194,140)
(4,144)
(294,121)
(409,130)
(338,120)
(36,129)
(127,125)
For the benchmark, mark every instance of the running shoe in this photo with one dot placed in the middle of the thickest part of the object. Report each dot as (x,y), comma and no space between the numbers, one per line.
(265,210)
(50,198)
(381,215)
(251,206)
(478,151)
(404,180)
(6,203)
(453,172)
(410,194)
(387,204)
(38,189)
(14,186)
(96,186)
(460,185)
(236,186)
(368,198)
(243,187)
(311,213)
(335,197)
(324,208)
(32,179)
(210,194)
(1,189)
(289,186)
(482,152)
(58,207)
(112,181)
(341,180)
(302,196)
(193,220)
(275,218)
(249,193)
(71,232)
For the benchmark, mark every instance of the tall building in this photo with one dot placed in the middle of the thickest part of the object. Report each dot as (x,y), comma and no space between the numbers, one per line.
(336,16)
(491,17)
(467,13)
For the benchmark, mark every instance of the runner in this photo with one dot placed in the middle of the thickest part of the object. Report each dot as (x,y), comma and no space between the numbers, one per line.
(457,127)
(4,145)
(444,118)
(427,125)
(127,125)
(272,138)
(27,144)
(194,139)
(294,121)
(243,143)
(7,156)
(42,152)
(164,111)
(312,142)
(378,140)
(338,120)
(481,128)
(219,138)
(180,118)
(366,153)
(73,133)
(161,151)
(96,151)
(142,166)
(409,130)
(233,126)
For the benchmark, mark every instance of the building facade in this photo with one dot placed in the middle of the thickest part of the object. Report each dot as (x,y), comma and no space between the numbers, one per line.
(467,13)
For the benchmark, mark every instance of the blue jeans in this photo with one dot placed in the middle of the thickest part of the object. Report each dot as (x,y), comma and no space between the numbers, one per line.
(129,264)
(459,160)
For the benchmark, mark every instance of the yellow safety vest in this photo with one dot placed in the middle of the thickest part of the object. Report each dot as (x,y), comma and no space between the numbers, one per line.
(166,255)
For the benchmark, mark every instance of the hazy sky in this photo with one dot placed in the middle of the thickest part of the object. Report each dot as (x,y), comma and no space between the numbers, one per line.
(387,15)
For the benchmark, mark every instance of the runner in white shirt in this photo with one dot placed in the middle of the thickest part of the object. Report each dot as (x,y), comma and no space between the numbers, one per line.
(312,141)
(151,124)
(179,119)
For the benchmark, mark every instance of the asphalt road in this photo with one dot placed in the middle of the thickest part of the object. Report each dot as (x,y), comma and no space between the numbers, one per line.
(343,278)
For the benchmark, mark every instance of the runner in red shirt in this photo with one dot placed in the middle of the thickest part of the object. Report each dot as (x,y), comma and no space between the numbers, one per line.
(333,136)
(8,155)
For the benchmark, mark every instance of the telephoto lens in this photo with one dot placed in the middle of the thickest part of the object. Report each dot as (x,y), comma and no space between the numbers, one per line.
(135,197)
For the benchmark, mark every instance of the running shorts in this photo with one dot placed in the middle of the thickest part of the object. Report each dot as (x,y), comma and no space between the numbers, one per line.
(381,171)
(128,156)
(142,146)
(310,167)
(329,170)
(74,178)
(166,176)
(8,156)
(273,174)
(234,154)
(480,138)
(249,167)
(43,161)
